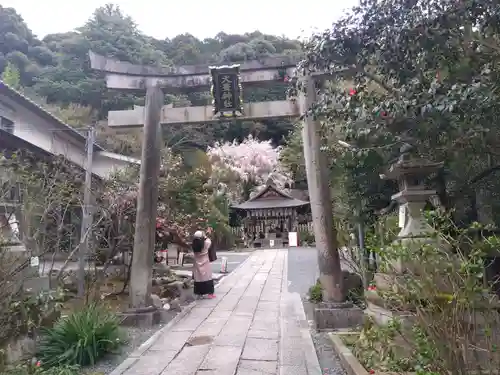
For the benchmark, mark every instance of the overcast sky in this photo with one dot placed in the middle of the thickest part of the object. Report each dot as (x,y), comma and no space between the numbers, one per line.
(168,18)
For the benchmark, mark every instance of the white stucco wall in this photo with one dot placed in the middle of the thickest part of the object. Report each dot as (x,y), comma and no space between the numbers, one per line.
(56,140)
(106,163)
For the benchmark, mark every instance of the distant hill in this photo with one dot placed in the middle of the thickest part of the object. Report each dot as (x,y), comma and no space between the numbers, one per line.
(57,68)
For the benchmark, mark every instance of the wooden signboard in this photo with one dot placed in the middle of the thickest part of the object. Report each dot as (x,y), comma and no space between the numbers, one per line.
(226,91)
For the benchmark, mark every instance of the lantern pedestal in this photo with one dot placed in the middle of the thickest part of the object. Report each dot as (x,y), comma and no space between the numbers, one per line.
(332,315)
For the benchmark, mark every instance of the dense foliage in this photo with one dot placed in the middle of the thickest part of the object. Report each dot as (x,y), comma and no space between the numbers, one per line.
(423,72)
(187,202)
(450,313)
(57,68)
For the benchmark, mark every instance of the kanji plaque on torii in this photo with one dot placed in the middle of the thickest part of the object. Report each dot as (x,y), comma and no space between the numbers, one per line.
(226,91)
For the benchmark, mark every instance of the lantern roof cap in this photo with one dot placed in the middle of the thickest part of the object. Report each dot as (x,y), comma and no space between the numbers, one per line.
(407,165)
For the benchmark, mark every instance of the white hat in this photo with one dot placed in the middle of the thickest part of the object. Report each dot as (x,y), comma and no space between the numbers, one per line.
(199,234)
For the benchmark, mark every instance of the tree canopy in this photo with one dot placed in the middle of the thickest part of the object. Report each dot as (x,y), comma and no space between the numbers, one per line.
(57,69)
(423,72)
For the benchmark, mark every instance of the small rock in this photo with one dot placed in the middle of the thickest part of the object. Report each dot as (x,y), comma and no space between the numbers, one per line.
(175,284)
(166,306)
(187,295)
(161,270)
(165,280)
(172,289)
(156,289)
(175,304)
(156,301)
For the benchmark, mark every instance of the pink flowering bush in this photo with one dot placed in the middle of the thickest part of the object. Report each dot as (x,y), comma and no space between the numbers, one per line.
(186,202)
(251,162)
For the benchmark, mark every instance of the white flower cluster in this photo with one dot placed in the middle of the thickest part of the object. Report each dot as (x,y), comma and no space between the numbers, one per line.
(251,160)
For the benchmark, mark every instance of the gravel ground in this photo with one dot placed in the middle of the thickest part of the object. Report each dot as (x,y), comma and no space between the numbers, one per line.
(302,274)
(328,359)
(135,337)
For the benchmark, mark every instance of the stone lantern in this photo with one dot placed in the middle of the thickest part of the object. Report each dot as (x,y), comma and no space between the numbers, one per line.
(410,172)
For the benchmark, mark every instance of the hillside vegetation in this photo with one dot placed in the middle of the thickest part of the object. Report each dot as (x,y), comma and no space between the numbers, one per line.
(55,70)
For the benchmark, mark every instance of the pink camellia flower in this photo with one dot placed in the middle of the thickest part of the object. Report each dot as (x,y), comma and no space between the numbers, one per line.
(38,364)
(372,371)
(352,92)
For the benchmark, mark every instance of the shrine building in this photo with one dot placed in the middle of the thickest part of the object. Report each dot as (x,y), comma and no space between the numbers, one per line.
(270,215)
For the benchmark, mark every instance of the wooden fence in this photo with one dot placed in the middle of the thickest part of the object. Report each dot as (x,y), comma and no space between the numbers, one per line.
(308,227)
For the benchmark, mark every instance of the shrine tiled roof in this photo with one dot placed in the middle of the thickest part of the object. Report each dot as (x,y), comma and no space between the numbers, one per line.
(270,197)
(270,203)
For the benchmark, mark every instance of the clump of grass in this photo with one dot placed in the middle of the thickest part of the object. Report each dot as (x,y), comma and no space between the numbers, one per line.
(81,339)
(316,293)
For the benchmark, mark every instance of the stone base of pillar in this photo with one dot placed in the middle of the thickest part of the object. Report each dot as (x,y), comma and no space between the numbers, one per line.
(143,317)
(328,316)
(37,284)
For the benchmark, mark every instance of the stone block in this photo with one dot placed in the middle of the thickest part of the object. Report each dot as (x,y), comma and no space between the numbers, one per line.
(292,370)
(193,319)
(187,361)
(337,316)
(143,319)
(170,341)
(247,367)
(221,360)
(268,334)
(253,292)
(266,315)
(210,327)
(265,324)
(234,332)
(291,352)
(259,349)
(268,306)
(222,314)
(246,306)
(19,348)
(37,284)
(228,303)
(151,363)
(124,366)
(270,297)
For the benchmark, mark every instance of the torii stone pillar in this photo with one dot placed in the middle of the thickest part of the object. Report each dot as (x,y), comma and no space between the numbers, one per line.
(321,200)
(334,312)
(147,202)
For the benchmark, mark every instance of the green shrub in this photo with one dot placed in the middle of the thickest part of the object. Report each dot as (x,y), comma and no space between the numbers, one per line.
(306,237)
(316,293)
(81,338)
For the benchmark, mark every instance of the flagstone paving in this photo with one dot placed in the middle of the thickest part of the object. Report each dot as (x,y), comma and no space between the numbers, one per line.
(254,326)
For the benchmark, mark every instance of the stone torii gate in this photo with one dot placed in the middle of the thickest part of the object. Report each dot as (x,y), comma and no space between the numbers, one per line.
(262,73)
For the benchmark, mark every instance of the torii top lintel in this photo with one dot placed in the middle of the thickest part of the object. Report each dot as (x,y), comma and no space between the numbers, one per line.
(128,76)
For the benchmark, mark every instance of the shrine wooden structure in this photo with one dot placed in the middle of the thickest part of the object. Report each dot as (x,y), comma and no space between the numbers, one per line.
(270,215)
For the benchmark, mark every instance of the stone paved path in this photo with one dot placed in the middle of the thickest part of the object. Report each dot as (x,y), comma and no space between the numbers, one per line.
(253,327)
